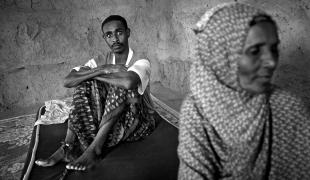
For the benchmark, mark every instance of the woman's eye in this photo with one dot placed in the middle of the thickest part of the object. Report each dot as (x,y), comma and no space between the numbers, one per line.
(254,51)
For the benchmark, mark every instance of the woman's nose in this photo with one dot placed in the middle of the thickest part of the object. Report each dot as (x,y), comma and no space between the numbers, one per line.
(270,59)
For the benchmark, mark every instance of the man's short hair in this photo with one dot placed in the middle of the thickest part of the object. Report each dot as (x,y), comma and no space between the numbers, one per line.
(114,18)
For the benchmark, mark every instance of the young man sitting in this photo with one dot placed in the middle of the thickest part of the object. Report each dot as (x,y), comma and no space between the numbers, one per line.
(111,101)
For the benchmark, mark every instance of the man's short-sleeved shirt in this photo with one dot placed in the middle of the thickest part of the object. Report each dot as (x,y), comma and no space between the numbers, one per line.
(142,67)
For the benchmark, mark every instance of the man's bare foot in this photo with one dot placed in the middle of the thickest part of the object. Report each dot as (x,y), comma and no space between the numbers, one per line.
(85,161)
(53,159)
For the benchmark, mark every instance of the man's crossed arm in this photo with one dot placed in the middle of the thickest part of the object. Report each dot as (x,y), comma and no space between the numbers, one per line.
(113,74)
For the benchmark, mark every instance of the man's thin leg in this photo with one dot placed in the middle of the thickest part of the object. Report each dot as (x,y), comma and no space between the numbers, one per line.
(59,154)
(114,107)
(89,156)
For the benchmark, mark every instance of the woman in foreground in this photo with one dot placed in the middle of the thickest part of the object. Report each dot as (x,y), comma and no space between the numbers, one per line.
(235,124)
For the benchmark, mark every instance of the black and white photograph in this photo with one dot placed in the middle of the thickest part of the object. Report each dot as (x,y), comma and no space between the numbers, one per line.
(154,90)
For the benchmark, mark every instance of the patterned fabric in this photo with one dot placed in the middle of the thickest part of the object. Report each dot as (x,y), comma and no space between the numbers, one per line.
(95,103)
(227,133)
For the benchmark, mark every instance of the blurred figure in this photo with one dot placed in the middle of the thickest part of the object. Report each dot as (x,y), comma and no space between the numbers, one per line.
(235,124)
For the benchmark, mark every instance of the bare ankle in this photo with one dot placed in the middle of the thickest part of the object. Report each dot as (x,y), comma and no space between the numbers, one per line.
(94,148)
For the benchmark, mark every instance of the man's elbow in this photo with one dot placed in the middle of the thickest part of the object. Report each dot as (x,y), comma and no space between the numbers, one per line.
(132,81)
(130,84)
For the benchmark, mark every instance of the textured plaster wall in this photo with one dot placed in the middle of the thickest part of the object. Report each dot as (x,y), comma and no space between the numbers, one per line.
(41,40)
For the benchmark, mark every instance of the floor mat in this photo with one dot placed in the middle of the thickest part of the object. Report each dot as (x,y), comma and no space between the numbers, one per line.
(15,135)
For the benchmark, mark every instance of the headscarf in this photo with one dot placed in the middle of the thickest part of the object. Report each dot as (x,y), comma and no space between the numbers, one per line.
(238,125)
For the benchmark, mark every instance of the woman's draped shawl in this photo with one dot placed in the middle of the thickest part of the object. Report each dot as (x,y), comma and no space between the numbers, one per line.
(226,133)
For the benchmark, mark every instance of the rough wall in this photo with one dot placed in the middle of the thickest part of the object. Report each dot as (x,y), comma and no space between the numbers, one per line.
(41,40)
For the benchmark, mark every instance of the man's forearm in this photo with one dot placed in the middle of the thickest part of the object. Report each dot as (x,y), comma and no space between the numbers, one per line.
(125,80)
(76,77)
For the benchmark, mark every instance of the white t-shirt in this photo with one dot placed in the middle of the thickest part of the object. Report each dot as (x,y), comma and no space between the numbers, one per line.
(142,67)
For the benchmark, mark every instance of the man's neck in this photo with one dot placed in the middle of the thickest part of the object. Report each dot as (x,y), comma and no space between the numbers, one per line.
(121,58)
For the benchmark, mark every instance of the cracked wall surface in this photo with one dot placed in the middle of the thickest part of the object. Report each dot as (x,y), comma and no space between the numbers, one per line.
(41,40)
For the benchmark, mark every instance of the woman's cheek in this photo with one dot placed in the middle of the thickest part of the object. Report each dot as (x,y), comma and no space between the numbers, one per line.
(248,66)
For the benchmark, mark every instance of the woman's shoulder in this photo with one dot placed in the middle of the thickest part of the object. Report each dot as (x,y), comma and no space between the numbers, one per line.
(287,101)
(280,95)
(191,113)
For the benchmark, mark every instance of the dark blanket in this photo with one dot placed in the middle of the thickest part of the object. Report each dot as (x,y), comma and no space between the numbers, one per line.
(155,157)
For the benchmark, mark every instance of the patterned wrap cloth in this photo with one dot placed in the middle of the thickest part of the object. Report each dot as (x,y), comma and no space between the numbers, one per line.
(95,103)
(227,133)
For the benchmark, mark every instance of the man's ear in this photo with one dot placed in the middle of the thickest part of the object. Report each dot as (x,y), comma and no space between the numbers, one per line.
(128,32)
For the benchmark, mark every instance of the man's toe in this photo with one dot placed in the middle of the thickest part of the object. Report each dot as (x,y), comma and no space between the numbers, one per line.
(69,166)
(83,168)
(80,167)
(76,167)
(42,162)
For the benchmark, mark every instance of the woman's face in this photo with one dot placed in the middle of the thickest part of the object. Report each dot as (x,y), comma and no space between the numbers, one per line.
(259,58)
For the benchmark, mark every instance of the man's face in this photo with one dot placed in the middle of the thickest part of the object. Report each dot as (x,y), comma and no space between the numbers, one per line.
(116,36)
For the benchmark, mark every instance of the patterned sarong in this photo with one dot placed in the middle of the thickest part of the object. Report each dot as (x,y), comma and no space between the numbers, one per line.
(95,103)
